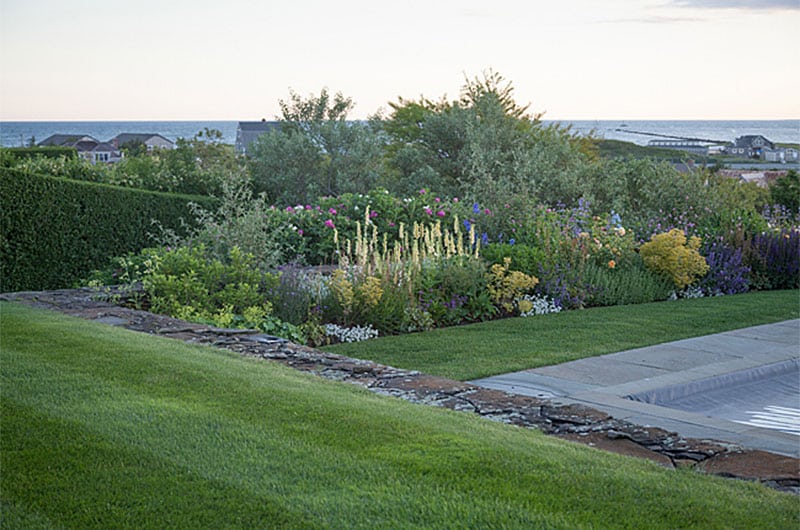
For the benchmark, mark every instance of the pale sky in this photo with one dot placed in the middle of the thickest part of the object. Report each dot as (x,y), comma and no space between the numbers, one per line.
(235,59)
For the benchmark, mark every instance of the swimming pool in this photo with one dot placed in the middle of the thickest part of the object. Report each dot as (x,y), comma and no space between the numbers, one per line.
(767,396)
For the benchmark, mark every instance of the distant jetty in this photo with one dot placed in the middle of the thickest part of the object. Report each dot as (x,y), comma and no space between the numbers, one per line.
(687,138)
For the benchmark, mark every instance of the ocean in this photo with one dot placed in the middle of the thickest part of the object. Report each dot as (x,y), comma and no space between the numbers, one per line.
(15,133)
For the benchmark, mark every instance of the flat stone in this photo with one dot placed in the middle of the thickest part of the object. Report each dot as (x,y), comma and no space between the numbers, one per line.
(426,384)
(621,446)
(753,465)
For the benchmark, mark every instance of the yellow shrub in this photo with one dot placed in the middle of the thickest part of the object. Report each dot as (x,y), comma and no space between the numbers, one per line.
(369,292)
(342,289)
(671,255)
(506,286)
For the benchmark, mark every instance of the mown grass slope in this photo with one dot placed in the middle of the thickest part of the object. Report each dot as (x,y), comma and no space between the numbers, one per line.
(106,428)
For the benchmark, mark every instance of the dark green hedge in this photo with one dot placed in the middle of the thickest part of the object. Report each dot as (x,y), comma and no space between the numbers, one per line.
(55,231)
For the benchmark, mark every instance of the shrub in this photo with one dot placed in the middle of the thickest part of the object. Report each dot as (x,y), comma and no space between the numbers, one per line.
(727,273)
(633,284)
(524,258)
(506,286)
(55,231)
(675,257)
(774,259)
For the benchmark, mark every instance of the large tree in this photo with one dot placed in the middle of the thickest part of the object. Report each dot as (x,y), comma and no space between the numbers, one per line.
(484,145)
(316,150)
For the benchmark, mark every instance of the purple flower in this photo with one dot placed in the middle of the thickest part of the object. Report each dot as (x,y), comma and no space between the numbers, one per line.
(428,211)
(373,214)
(422,191)
(437,199)
(290,209)
(332,211)
(329,223)
(441,213)
(300,231)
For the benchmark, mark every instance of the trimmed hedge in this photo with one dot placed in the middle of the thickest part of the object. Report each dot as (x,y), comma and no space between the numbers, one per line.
(55,231)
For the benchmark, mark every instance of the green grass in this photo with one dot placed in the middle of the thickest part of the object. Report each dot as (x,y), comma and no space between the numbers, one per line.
(490,348)
(106,428)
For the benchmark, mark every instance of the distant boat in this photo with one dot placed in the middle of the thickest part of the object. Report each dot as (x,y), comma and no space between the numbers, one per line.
(623,125)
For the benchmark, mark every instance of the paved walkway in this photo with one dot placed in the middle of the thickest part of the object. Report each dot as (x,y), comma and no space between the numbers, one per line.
(603,382)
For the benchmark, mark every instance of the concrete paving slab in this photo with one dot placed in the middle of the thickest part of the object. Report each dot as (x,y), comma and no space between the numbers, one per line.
(673,358)
(603,382)
(601,371)
(527,383)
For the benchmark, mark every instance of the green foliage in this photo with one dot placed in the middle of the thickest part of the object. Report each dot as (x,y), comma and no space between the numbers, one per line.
(55,231)
(9,156)
(483,146)
(71,167)
(316,151)
(524,258)
(201,165)
(240,221)
(184,282)
(786,191)
(634,284)
(672,255)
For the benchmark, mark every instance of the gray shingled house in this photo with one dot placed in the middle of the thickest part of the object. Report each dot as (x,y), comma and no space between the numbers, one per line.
(248,131)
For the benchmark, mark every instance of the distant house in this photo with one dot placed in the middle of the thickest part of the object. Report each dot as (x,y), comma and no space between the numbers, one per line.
(750,146)
(88,147)
(150,140)
(248,131)
(66,140)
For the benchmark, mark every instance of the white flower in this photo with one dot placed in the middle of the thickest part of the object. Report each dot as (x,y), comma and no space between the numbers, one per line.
(541,305)
(354,334)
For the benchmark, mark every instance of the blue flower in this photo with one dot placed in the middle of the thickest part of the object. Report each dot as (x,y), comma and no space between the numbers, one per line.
(484,238)
(467,224)
(476,208)
(512,241)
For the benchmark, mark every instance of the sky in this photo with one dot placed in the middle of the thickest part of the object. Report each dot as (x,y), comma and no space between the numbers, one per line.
(237,59)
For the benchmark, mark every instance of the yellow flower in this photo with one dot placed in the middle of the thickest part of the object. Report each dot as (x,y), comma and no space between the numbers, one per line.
(524,305)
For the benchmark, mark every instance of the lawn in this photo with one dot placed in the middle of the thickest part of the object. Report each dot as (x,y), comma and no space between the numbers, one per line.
(107,428)
(490,348)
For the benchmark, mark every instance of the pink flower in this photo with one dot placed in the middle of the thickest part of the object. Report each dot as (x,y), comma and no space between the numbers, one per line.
(455,199)
(332,211)
(437,199)
(290,209)
(441,213)
(422,191)
(300,231)
(391,223)
(487,211)
(308,206)
(329,223)
(373,214)
(428,211)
